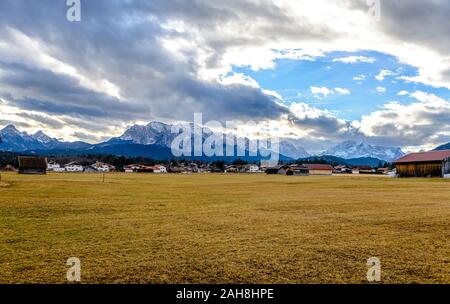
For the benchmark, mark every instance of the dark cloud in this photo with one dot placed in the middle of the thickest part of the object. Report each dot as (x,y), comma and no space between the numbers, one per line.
(335,130)
(45,120)
(119,41)
(418,21)
(19,124)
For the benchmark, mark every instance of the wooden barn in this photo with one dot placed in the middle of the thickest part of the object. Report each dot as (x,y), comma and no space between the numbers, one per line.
(424,164)
(274,170)
(32,165)
(319,169)
(297,170)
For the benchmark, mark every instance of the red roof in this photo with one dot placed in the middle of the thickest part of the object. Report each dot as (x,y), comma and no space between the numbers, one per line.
(424,157)
(318,167)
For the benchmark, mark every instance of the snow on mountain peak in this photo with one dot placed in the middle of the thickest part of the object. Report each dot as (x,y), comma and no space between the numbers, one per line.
(158,126)
(10,129)
(352,149)
(42,137)
(151,134)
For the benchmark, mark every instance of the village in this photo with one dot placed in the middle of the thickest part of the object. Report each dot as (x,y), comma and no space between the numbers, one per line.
(40,165)
(422,164)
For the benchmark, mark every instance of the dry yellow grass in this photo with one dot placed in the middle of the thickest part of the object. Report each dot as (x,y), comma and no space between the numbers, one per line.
(223,228)
(3,184)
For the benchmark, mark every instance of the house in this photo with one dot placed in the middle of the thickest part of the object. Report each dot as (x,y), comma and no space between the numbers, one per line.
(319,169)
(282,170)
(297,170)
(132,168)
(341,169)
(90,169)
(32,165)
(252,169)
(102,167)
(231,169)
(192,168)
(363,170)
(52,165)
(424,164)
(384,171)
(74,167)
(176,170)
(146,169)
(273,170)
(159,169)
(263,168)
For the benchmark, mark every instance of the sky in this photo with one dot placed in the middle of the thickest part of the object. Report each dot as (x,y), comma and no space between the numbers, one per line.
(319,71)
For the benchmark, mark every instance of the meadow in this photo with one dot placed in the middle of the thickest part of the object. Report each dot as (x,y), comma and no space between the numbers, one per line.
(214,228)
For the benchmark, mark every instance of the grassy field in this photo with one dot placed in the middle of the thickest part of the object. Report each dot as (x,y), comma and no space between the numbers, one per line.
(223,228)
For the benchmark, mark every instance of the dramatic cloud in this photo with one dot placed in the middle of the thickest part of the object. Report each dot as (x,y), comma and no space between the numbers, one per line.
(134,61)
(422,123)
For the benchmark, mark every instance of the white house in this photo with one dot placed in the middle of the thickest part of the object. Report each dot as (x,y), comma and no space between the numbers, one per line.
(74,167)
(253,169)
(54,166)
(102,167)
(132,168)
(159,169)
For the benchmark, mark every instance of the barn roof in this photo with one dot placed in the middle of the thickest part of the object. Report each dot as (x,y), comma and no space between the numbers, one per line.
(424,157)
(32,162)
(319,167)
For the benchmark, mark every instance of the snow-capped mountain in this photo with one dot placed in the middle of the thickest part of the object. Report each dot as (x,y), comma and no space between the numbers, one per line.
(292,148)
(443,147)
(154,133)
(44,139)
(352,149)
(14,140)
(157,133)
(155,139)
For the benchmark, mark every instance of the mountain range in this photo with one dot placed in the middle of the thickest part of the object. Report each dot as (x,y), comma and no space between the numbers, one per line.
(154,140)
(443,147)
(352,149)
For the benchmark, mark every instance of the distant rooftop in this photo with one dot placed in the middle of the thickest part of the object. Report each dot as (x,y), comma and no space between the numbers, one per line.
(318,167)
